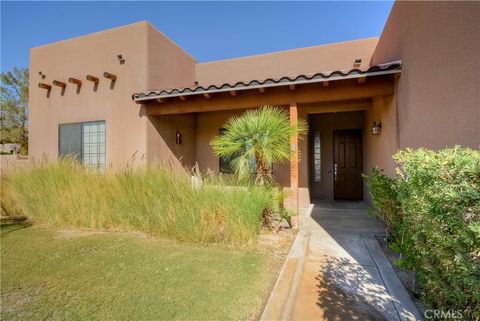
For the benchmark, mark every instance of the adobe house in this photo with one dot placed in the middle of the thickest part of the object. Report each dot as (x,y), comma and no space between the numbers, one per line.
(130,95)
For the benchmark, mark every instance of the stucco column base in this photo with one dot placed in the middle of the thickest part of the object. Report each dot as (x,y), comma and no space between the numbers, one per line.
(294,166)
(294,221)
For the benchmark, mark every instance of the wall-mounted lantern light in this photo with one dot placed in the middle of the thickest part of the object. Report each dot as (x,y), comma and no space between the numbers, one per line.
(376,128)
(178,138)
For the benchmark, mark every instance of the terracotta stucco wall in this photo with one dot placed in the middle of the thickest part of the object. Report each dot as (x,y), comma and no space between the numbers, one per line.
(336,56)
(92,54)
(438,94)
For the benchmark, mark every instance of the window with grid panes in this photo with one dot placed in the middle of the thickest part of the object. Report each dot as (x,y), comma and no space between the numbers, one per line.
(85,141)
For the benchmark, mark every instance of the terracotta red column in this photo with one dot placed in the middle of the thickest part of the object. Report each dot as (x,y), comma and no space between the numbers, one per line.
(294,166)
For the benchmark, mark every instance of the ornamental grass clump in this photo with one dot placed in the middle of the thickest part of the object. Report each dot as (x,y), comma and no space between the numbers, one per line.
(433,209)
(155,200)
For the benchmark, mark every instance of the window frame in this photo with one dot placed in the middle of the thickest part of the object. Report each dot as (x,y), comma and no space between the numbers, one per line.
(80,156)
(77,157)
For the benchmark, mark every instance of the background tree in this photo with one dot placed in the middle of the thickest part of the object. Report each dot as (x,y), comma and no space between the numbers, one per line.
(14,107)
(259,136)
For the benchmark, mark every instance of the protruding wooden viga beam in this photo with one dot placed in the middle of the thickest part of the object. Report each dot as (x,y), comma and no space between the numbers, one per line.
(92,78)
(110,76)
(44,86)
(60,84)
(75,81)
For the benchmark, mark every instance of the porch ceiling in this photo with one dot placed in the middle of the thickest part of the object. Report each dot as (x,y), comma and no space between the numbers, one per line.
(322,77)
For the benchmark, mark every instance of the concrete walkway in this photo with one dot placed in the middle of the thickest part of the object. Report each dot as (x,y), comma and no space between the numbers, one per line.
(336,270)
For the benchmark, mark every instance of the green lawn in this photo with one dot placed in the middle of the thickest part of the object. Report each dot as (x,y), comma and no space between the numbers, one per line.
(113,276)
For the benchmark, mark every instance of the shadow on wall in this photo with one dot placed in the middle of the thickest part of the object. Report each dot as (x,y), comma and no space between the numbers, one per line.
(164,143)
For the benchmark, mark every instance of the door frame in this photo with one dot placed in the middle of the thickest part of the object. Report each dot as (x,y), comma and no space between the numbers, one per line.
(360,136)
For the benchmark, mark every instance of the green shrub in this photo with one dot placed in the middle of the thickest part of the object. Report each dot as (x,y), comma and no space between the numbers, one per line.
(382,189)
(435,200)
(154,200)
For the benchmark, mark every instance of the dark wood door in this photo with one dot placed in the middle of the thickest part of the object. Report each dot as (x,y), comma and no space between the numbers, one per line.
(347,164)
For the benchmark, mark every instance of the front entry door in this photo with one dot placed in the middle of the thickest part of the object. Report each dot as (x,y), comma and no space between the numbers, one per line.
(347,164)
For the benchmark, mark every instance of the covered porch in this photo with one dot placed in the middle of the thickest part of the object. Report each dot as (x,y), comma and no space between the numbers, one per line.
(340,107)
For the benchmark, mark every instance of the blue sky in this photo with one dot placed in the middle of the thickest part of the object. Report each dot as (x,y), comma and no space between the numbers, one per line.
(207,30)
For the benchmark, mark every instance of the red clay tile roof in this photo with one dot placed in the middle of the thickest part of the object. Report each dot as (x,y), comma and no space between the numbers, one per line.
(383,69)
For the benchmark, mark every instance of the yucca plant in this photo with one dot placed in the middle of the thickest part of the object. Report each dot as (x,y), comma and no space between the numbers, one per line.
(260,137)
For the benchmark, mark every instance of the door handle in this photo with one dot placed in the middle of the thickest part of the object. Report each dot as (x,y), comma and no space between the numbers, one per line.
(335,170)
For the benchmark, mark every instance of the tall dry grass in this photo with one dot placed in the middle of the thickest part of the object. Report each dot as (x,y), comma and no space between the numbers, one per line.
(155,200)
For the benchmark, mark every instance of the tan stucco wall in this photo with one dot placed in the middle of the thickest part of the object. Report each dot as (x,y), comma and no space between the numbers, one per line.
(380,148)
(92,54)
(168,65)
(207,127)
(336,56)
(197,131)
(149,59)
(162,145)
(438,94)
